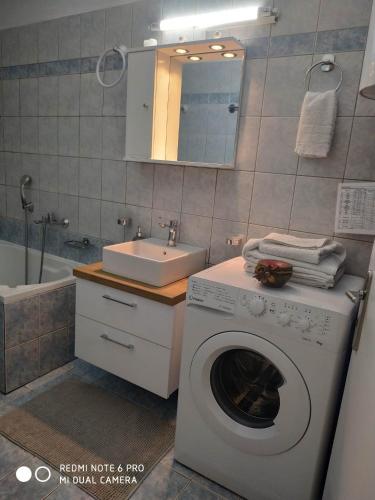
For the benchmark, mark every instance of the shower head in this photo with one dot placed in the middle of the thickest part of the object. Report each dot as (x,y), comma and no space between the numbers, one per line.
(25,181)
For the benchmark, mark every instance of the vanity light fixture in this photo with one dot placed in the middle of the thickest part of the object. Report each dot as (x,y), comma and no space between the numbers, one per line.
(195,58)
(229,55)
(217,47)
(262,15)
(181,51)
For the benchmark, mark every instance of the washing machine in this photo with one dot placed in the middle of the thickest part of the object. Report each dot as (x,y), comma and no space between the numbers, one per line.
(260,380)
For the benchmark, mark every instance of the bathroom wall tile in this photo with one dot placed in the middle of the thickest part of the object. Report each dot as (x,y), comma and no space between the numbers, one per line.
(255,231)
(54,350)
(314,205)
(196,230)
(272,199)
(199,191)
(48,170)
(22,364)
(284,89)
(53,310)
(139,184)
(68,209)
(296,16)
(365,107)
(361,158)
(351,63)
(89,216)
(233,194)
(68,136)
(90,178)
(13,207)
(277,140)
(68,175)
(30,165)
(91,101)
(118,26)
(28,44)
(10,47)
(113,138)
(48,96)
(168,187)
(13,168)
(48,135)
(12,133)
(69,37)
(257,47)
(163,217)
(247,143)
(113,181)
(253,87)
(21,321)
(358,256)
(2,201)
(48,41)
(334,164)
(221,230)
(92,33)
(114,103)
(29,134)
(49,203)
(336,14)
(292,45)
(69,92)
(2,168)
(90,137)
(29,97)
(110,229)
(144,14)
(343,40)
(11,97)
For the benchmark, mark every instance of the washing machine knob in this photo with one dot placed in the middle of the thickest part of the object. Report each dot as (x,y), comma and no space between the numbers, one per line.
(284,318)
(303,324)
(257,306)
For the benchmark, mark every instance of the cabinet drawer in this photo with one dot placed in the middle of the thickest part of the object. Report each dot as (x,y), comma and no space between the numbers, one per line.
(136,360)
(145,318)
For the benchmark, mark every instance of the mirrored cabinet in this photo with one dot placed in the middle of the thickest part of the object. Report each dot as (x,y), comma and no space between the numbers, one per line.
(183,103)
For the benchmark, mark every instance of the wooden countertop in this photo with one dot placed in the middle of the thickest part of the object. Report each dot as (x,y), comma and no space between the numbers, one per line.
(170,294)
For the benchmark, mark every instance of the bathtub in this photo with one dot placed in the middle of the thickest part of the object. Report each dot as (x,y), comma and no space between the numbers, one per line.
(36,320)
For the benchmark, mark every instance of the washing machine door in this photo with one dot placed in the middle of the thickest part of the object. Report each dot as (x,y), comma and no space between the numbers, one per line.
(250,393)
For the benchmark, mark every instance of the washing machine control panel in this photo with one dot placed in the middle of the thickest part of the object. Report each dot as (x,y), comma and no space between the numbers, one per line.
(296,320)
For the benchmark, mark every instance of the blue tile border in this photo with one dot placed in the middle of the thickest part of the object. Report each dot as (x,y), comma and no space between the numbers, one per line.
(344,40)
(292,45)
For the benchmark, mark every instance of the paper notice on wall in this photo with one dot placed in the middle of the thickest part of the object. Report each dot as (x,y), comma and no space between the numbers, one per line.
(355,209)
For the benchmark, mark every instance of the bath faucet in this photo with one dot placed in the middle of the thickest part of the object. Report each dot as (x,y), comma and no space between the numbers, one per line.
(172,235)
(50,219)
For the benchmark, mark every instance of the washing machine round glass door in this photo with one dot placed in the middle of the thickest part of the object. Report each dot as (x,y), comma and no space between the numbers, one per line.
(250,393)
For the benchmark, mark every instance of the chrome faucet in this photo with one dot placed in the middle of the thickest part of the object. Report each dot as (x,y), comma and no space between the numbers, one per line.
(172,236)
(51,220)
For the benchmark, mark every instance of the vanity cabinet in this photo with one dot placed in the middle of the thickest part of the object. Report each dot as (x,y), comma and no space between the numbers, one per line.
(131,330)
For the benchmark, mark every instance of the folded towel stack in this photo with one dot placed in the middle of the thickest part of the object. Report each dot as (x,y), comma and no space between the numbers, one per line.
(316,262)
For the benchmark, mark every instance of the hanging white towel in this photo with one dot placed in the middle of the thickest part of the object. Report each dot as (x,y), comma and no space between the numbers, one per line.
(317,124)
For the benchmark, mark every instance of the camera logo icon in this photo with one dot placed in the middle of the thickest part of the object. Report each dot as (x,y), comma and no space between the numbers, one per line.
(42,474)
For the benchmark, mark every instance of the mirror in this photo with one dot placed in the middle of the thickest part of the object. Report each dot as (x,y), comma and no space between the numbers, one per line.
(191,115)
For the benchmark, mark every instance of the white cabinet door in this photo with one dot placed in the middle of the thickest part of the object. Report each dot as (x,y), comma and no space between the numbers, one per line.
(351,470)
(139,107)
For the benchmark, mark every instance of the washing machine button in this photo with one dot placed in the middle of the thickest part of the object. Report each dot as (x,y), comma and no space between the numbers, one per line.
(244,300)
(303,324)
(257,306)
(284,319)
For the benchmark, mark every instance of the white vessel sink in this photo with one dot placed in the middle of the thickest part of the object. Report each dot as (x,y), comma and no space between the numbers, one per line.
(151,261)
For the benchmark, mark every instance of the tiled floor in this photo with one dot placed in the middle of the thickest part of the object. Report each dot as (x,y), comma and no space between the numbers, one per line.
(169,480)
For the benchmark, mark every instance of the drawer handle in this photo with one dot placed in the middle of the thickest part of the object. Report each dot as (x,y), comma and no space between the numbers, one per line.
(104,336)
(128,304)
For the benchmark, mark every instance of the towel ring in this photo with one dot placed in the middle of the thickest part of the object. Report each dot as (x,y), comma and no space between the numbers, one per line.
(332,64)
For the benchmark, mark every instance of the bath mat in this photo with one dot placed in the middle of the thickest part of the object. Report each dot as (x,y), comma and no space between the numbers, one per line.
(80,424)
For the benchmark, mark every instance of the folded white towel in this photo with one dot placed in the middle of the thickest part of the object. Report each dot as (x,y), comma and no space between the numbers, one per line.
(318,250)
(317,124)
(295,241)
